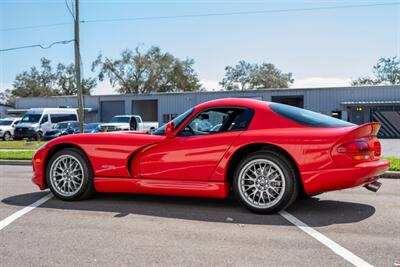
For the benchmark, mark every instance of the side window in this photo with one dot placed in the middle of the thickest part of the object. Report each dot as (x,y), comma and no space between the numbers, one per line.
(55,118)
(45,118)
(218,120)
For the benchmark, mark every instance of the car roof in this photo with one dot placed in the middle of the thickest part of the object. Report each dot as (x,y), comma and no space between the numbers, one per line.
(243,102)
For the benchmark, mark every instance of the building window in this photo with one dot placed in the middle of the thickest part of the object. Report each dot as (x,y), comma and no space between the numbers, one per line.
(173,116)
(165,118)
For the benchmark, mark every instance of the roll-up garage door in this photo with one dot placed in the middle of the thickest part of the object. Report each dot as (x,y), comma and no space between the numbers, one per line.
(390,120)
(110,109)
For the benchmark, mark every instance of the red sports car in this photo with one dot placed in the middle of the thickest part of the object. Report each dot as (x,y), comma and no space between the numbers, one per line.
(266,153)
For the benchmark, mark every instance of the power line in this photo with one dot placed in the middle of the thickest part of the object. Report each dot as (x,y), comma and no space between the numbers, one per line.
(35,26)
(238,13)
(37,45)
(69,9)
(203,15)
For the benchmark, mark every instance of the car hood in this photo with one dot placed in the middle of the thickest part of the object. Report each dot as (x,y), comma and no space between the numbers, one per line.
(53,132)
(26,124)
(115,124)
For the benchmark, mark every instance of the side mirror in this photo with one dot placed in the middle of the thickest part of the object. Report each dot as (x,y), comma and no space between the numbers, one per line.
(170,130)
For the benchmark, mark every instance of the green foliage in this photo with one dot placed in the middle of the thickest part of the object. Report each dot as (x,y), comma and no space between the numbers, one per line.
(20,155)
(153,71)
(44,81)
(21,144)
(247,76)
(386,71)
(394,163)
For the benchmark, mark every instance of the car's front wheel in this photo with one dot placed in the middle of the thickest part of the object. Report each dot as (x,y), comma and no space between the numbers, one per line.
(265,182)
(7,136)
(69,175)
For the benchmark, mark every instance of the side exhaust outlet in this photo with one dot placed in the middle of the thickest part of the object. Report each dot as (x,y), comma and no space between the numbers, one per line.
(374,187)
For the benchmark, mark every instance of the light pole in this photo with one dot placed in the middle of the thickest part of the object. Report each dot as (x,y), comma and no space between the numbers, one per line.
(78,69)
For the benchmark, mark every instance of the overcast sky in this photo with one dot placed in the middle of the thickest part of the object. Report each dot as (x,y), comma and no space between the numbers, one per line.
(320,47)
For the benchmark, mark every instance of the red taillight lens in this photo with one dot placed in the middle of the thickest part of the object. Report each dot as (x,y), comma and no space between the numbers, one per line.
(377,148)
(357,147)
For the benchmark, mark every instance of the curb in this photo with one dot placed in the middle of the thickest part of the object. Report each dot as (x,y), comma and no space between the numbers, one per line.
(387,174)
(13,162)
(391,175)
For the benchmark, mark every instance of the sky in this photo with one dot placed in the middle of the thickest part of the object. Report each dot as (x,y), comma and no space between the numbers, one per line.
(320,47)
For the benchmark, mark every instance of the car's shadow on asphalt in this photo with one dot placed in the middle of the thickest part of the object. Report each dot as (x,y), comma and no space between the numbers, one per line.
(314,211)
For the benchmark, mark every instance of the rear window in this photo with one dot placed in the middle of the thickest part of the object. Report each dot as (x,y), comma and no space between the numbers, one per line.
(306,117)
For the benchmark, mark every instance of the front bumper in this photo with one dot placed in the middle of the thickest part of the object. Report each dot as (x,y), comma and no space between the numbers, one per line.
(24,133)
(39,171)
(320,181)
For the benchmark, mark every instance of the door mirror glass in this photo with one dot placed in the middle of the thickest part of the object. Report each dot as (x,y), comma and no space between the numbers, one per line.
(170,130)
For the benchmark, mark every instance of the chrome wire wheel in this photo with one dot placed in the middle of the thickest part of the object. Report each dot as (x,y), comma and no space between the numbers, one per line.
(66,175)
(261,183)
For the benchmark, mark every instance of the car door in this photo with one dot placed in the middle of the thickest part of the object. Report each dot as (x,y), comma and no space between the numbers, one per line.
(45,124)
(13,125)
(196,150)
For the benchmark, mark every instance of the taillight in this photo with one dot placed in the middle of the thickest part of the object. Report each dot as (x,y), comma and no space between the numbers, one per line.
(358,150)
(354,147)
(377,148)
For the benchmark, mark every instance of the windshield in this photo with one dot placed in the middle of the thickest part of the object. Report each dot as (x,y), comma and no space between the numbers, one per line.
(120,119)
(5,122)
(307,117)
(91,126)
(177,121)
(32,118)
(61,126)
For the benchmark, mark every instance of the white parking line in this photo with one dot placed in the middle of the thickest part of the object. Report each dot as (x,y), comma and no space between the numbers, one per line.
(24,211)
(332,245)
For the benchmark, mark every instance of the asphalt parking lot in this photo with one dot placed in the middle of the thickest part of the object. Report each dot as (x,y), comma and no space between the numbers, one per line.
(137,230)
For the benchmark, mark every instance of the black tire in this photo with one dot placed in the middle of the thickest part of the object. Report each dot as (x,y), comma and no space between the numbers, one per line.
(288,193)
(39,136)
(7,136)
(87,188)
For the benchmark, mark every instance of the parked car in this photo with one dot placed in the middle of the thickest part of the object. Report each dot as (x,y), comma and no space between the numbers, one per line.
(267,153)
(128,123)
(62,128)
(93,127)
(7,126)
(37,121)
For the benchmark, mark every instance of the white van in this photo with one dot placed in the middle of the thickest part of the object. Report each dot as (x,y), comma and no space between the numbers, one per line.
(37,121)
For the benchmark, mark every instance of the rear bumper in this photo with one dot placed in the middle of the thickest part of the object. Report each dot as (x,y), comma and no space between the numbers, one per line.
(334,179)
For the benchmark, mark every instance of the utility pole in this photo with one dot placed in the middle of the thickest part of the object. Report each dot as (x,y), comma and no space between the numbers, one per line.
(78,69)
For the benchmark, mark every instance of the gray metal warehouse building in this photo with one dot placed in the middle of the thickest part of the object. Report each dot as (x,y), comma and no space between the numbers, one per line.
(355,104)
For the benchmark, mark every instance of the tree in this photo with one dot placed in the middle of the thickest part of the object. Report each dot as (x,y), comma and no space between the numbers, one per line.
(386,71)
(66,81)
(44,81)
(239,76)
(152,71)
(247,76)
(6,98)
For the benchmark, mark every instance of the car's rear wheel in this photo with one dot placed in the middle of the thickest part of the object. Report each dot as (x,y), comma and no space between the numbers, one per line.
(69,175)
(7,136)
(265,182)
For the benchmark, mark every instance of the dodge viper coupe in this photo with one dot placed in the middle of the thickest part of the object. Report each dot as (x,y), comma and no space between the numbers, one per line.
(266,153)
